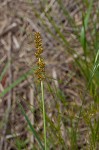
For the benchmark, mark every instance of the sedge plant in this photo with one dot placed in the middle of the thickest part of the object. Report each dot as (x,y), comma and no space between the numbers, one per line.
(40,76)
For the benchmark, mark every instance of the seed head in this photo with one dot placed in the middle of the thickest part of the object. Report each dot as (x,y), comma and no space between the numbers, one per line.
(40,61)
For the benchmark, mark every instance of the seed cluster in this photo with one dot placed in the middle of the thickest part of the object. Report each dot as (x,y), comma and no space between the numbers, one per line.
(40,61)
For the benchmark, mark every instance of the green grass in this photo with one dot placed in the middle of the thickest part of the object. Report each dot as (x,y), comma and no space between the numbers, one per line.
(44,115)
(31,126)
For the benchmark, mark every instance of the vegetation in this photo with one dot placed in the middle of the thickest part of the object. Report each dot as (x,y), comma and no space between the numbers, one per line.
(71,121)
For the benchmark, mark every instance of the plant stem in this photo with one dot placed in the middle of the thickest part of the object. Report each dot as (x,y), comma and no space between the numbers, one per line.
(44,116)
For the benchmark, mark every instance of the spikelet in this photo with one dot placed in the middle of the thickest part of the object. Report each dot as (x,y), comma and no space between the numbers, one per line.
(40,72)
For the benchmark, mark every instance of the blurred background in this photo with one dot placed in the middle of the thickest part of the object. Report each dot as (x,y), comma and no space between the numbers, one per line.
(70,37)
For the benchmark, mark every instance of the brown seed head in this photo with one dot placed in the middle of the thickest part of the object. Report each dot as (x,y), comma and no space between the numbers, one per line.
(40,61)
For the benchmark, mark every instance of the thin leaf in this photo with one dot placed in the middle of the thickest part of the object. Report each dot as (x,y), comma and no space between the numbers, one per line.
(18,81)
(31,126)
(4,71)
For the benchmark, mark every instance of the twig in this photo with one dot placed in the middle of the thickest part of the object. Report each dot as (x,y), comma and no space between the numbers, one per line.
(10,28)
(31,116)
(3,59)
(10,136)
(16,43)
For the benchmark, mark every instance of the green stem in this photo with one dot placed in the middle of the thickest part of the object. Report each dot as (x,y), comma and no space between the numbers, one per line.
(44,115)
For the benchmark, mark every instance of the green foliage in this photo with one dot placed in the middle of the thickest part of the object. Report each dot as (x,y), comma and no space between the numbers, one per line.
(31,126)
(20,144)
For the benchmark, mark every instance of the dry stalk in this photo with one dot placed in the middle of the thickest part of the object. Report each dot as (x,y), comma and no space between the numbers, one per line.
(9,95)
(31,114)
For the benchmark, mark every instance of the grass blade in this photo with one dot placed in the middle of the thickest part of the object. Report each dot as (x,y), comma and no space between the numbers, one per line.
(22,78)
(31,126)
(4,71)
